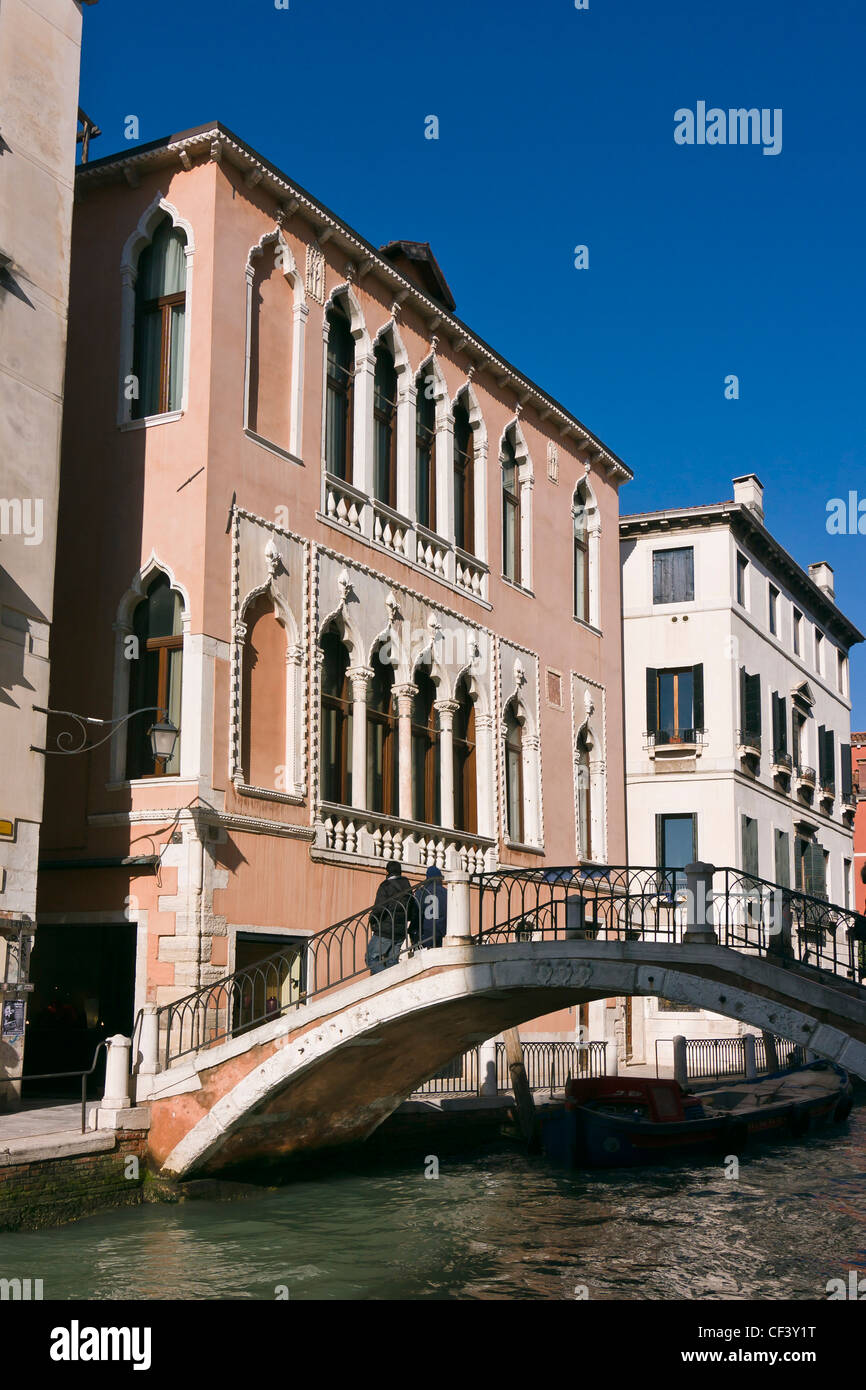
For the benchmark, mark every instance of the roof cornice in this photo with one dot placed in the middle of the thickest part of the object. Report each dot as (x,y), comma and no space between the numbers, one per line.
(746,526)
(217,142)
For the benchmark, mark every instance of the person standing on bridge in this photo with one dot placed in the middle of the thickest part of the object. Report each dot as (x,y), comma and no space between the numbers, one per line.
(394,912)
(432,902)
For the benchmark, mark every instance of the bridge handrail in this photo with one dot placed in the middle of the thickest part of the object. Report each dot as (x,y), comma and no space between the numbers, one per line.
(747,912)
(255,993)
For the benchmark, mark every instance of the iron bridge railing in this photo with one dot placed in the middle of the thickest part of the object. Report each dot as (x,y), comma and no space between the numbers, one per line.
(609,903)
(747,913)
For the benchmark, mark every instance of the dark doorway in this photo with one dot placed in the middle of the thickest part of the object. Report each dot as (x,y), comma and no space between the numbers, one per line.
(274,978)
(84,982)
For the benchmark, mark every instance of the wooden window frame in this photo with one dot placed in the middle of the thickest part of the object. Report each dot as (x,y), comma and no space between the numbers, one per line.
(464,753)
(511,507)
(342,705)
(512,727)
(341,387)
(581,562)
(464,483)
(387,720)
(429,734)
(385,418)
(676,672)
(425,442)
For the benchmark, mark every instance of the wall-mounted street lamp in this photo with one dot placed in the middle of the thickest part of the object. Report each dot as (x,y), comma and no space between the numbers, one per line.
(163,734)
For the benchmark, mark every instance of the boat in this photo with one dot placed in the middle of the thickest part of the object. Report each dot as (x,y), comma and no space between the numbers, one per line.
(614,1121)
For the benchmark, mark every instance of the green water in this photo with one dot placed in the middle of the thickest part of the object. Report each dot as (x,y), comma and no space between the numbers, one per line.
(492,1226)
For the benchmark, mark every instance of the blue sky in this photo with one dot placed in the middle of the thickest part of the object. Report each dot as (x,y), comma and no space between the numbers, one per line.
(556,129)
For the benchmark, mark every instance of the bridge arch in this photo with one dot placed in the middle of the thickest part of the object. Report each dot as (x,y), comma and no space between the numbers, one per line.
(331,1072)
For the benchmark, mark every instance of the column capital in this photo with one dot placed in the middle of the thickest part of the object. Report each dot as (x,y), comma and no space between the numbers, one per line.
(360,676)
(405,696)
(448,708)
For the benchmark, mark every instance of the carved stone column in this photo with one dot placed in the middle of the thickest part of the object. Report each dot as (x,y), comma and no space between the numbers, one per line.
(486,773)
(446,709)
(405,696)
(360,676)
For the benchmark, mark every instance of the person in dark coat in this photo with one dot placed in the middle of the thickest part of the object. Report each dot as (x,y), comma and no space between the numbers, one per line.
(394,913)
(432,902)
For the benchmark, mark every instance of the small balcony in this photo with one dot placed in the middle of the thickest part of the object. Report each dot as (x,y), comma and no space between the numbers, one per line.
(749,744)
(806,779)
(828,790)
(674,741)
(783,763)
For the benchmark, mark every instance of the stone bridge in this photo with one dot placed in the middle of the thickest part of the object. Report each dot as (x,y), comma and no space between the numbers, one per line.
(328,1071)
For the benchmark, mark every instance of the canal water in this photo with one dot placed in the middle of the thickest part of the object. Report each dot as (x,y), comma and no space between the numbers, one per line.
(493,1225)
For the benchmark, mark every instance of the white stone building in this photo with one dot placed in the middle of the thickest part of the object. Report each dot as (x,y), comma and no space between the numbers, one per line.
(737,713)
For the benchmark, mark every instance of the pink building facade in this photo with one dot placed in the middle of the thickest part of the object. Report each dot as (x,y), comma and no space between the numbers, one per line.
(858,777)
(369,569)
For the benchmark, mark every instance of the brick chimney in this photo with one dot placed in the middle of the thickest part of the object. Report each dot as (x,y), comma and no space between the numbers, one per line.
(822,575)
(749,492)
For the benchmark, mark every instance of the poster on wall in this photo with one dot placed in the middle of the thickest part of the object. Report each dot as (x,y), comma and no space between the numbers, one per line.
(13,1020)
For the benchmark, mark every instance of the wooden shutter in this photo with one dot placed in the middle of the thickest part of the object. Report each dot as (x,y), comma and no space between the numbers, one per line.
(698,696)
(829,756)
(752,703)
(847,769)
(750,846)
(822,751)
(652,700)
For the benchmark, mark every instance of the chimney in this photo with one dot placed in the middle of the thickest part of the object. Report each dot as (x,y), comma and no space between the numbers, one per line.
(822,575)
(749,492)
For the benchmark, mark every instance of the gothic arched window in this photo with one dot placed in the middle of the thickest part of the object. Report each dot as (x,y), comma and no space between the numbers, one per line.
(385,426)
(425,752)
(465,793)
(382,736)
(160,322)
(336,742)
(425,453)
(464,480)
(514,774)
(339,415)
(581,557)
(155,677)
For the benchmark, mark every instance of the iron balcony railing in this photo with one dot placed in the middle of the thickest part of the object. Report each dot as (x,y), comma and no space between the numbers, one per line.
(622,903)
(661,738)
(783,759)
(806,774)
(749,739)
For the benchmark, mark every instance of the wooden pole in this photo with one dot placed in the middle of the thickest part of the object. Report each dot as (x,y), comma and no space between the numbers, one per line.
(520,1084)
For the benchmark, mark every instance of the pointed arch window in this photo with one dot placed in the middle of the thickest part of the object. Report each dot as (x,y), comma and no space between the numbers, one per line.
(385,426)
(584,798)
(382,737)
(464,480)
(339,413)
(155,677)
(425,452)
(465,792)
(514,774)
(425,752)
(511,519)
(581,558)
(160,322)
(336,765)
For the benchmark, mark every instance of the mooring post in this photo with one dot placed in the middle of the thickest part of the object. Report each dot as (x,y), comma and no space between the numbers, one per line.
(520,1084)
(681,1070)
(750,1059)
(487,1084)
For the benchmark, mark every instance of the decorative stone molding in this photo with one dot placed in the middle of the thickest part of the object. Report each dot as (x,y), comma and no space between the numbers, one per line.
(314,274)
(285,262)
(589,726)
(268,560)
